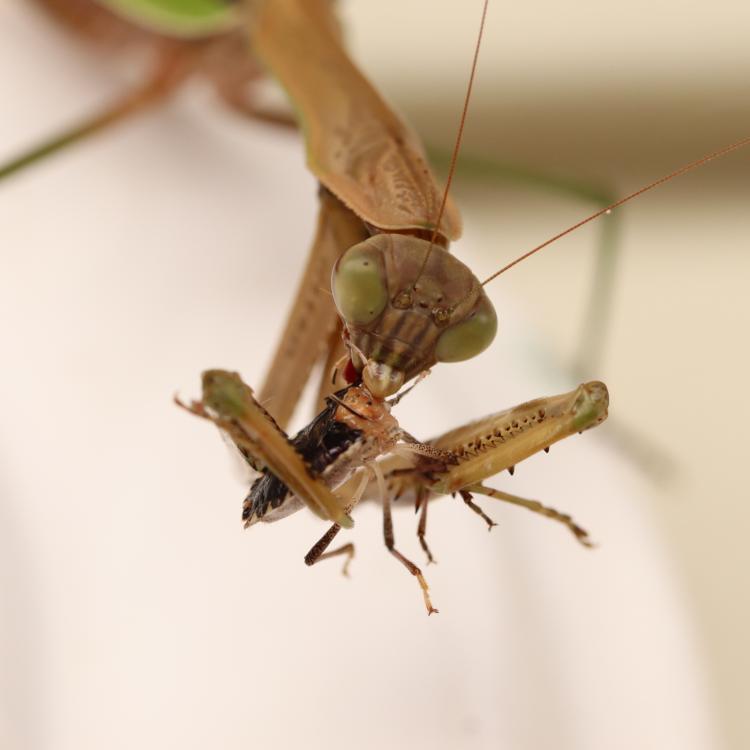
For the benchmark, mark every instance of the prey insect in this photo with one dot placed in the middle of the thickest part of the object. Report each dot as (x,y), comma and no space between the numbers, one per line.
(356,448)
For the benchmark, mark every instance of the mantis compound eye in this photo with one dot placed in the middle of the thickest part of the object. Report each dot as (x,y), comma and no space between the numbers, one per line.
(470,337)
(358,283)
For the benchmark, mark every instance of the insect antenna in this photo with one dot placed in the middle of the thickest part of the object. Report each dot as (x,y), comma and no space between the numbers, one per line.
(459,136)
(608,209)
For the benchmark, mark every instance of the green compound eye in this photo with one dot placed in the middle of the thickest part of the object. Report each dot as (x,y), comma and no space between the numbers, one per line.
(470,337)
(358,283)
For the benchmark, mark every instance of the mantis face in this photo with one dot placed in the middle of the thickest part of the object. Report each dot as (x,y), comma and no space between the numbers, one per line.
(407,305)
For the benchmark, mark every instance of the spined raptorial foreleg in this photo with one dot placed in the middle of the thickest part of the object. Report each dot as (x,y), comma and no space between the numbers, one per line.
(230,404)
(313,320)
(496,443)
(332,375)
(492,445)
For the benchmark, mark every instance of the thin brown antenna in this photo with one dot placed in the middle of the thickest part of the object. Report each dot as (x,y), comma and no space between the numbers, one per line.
(459,136)
(608,209)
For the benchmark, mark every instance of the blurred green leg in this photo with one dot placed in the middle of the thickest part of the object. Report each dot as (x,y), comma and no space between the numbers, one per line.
(167,76)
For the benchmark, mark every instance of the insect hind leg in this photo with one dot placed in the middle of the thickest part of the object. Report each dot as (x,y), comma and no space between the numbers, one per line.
(390,542)
(318,550)
(535,507)
(467,498)
(422,503)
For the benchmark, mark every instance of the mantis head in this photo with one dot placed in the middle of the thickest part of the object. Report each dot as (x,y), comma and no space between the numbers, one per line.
(406,305)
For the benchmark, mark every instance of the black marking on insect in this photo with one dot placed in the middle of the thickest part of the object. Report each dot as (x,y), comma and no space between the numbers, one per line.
(320,443)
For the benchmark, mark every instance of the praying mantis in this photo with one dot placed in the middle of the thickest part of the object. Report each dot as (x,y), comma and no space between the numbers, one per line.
(285,402)
(405,302)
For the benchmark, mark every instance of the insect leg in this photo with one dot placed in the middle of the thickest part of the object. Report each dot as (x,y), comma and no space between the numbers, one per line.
(170,72)
(390,543)
(423,500)
(231,405)
(313,317)
(536,507)
(237,86)
(318,550)
(247,447)
(331,378)
(471,504)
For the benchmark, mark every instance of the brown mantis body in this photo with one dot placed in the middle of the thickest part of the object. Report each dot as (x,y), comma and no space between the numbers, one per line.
(377,181)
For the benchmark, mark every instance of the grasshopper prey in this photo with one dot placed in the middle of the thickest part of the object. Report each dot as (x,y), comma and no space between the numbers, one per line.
(342,446)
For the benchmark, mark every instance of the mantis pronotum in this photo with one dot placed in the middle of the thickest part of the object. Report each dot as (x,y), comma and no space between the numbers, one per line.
(287,402)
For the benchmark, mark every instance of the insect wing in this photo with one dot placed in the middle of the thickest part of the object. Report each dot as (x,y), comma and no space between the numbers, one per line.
(255,432)
(356,146)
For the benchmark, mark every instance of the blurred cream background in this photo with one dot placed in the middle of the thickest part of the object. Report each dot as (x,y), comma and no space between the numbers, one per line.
(135,610)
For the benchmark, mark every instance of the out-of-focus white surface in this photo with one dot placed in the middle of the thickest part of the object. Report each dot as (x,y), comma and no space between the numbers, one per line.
(137,611)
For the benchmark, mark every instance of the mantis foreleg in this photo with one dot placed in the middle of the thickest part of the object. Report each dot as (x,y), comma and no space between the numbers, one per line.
(230,404)
(313,318)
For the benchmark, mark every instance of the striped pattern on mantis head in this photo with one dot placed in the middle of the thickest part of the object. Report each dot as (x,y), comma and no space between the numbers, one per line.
(407,305)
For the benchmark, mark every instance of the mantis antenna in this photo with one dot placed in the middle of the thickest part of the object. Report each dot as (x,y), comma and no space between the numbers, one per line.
(459,136)
(608,209)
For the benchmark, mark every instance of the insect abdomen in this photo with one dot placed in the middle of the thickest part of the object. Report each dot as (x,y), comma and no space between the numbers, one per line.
(321,443)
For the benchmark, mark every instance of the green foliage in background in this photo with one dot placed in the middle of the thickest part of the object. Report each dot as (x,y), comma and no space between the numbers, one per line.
(180,18)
